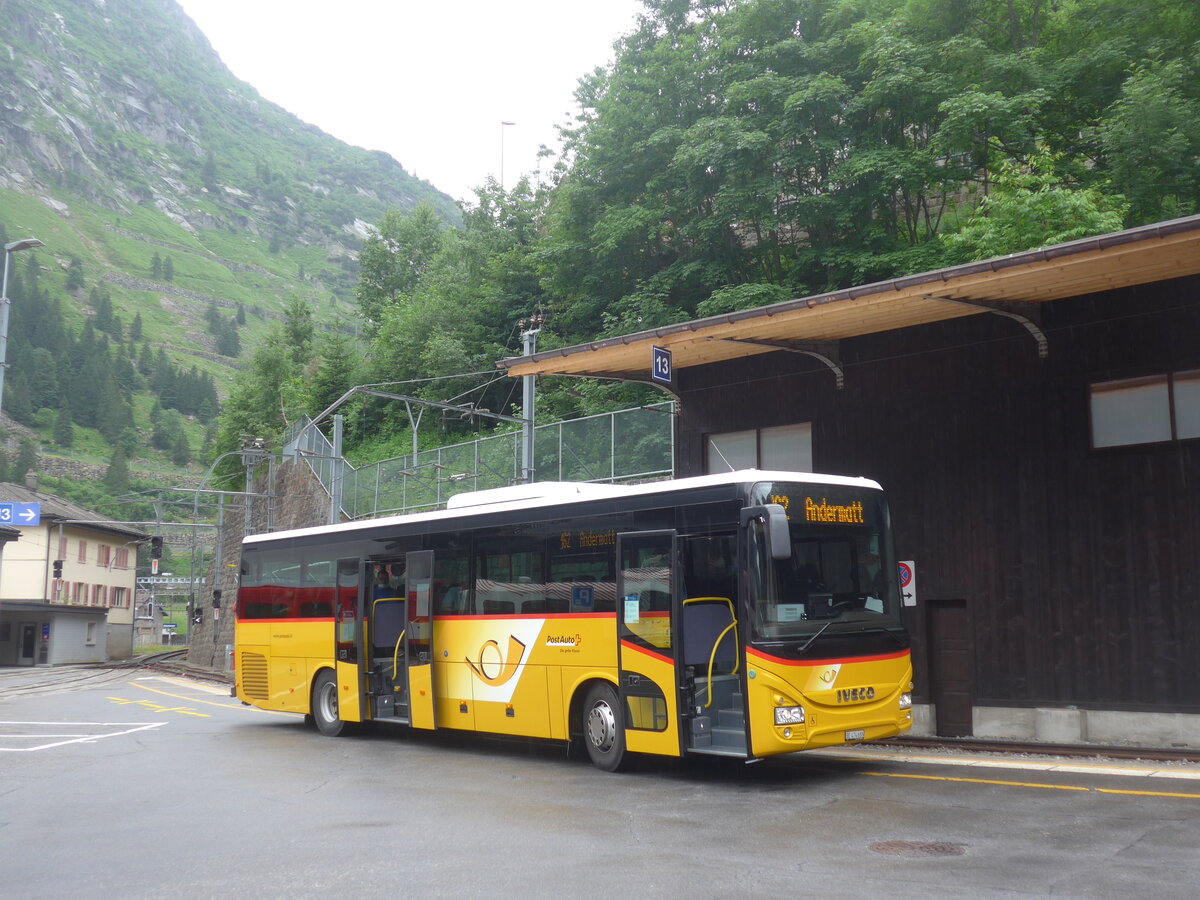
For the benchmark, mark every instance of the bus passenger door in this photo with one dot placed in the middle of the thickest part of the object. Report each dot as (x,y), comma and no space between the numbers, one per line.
(646,612)
(385,617)
(419,637)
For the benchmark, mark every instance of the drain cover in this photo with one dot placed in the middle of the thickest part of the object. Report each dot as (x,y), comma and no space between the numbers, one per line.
(918,848)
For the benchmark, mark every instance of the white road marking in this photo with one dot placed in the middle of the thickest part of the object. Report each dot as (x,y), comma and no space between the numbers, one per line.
(75,739)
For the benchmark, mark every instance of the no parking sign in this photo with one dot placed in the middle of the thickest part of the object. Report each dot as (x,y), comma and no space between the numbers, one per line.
(908,581)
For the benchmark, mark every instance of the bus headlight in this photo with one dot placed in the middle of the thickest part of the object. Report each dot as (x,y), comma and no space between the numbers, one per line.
(906,701)
(789,715)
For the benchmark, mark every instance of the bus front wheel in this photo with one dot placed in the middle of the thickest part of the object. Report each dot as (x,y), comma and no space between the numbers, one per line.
(325,705)
(604,728)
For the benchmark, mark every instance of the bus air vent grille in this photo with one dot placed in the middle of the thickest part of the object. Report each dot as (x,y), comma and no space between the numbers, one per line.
(253,670)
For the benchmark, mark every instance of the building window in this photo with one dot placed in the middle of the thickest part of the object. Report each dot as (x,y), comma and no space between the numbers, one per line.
(78,592)
(1149,410)
(786,448)
(103,555)
(62,548)
(122,560)
(91,634)
(98,595)
(120,597)
(83,551)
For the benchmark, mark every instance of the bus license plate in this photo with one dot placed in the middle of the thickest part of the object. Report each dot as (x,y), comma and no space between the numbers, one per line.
(855,735)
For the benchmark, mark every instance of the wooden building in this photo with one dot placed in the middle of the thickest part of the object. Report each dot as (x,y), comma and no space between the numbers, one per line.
(1035,419)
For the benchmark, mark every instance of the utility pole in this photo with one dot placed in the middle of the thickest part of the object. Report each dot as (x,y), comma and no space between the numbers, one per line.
(529,347)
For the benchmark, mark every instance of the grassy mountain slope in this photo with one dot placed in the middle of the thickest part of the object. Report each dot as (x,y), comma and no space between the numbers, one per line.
(127,145)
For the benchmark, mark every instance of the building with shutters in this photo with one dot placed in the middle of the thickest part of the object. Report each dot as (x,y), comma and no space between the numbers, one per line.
(87,614)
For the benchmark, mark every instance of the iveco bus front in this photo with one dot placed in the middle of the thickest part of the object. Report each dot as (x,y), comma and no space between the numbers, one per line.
(827,656)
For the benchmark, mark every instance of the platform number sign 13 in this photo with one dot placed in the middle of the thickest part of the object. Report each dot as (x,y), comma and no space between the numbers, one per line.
(660,364)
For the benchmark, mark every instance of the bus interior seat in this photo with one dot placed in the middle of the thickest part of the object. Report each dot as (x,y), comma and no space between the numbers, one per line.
(703,622)
(387,624)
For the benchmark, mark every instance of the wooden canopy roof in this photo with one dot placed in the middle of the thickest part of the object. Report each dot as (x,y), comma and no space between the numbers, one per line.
(1011,285)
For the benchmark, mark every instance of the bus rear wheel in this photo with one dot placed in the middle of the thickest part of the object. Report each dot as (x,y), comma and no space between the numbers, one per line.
(604,728)
(325,705)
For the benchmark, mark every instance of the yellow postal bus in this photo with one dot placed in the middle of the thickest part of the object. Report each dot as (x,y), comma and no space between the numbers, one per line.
(743,615)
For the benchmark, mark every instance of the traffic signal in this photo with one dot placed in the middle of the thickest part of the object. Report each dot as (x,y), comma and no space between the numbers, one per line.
(156,547)
(58,570)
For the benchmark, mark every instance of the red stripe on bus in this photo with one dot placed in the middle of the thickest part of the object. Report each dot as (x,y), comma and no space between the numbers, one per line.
(825,662)
(547,615)
(636,649)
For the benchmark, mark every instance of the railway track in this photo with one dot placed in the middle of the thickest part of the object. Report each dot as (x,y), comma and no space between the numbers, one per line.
(27,682)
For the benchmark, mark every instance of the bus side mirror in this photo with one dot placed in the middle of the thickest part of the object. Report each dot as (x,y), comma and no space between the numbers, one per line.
(778,536)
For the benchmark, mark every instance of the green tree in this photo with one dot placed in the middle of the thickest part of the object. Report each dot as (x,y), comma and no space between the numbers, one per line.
(1151,140)
(298,329)
(116,477)
(26,461)
(1031,207)
(228,343)
(74,274)
(181,451)
(336,372)
(64,431)
(394,257)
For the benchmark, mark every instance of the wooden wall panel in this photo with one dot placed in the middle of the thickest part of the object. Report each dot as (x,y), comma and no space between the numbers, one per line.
(1082,567)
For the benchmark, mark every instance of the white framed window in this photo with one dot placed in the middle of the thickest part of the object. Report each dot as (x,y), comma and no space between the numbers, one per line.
(786,448)
(1148,410)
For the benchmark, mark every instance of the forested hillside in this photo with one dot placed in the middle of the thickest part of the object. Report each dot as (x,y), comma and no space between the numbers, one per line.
(182,216)
(740,153)
(733,154)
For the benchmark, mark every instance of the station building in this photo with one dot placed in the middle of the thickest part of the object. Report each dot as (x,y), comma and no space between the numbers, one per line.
(1035,419)
(87,614)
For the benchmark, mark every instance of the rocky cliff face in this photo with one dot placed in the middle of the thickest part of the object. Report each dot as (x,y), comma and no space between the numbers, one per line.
(126,104)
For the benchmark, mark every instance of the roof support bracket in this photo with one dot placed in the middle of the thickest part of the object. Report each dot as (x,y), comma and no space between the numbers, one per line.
(825,352)
(1014,311)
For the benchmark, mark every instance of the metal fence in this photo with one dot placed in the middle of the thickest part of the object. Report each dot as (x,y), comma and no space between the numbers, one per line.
(627,445)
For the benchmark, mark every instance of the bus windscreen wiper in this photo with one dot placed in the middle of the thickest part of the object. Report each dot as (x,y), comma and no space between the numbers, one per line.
(816,634)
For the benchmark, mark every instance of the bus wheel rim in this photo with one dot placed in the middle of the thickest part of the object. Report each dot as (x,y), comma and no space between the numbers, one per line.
(329,702)
(602,726)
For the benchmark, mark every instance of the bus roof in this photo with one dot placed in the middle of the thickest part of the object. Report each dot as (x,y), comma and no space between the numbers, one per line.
(558,493)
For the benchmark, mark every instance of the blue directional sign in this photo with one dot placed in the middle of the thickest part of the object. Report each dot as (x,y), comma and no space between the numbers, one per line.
(21,514)
(660,364)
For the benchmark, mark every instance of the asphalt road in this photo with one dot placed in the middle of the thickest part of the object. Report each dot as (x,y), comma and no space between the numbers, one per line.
(140,785)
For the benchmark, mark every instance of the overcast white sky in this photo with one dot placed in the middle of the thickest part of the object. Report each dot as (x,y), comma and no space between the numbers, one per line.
(427,81)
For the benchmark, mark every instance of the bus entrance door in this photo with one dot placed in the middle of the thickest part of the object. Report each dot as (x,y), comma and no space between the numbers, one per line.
(709,653)
(386,615)
(419,637)
(646,615)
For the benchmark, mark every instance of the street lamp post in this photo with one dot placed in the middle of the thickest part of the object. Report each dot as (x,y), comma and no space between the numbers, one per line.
(503,125)
(9,250)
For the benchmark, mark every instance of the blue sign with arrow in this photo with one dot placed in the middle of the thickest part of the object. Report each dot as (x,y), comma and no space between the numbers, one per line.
(21,514)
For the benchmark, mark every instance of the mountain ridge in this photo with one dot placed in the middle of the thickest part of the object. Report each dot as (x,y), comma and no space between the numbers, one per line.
(136,156)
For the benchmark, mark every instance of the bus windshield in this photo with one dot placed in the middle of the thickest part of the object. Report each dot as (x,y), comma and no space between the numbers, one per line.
(840,574)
